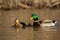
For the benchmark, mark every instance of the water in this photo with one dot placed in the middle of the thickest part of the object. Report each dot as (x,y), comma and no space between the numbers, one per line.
(7,18)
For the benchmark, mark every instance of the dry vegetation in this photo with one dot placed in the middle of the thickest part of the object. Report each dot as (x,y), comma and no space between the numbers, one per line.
(14,4)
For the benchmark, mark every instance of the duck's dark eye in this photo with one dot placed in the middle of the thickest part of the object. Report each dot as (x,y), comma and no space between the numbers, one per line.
(32,15)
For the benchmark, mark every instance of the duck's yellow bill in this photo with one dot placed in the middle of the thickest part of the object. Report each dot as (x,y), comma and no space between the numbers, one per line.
(31,18)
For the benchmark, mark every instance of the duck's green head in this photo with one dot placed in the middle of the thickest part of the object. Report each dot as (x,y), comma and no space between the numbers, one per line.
(34,16)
